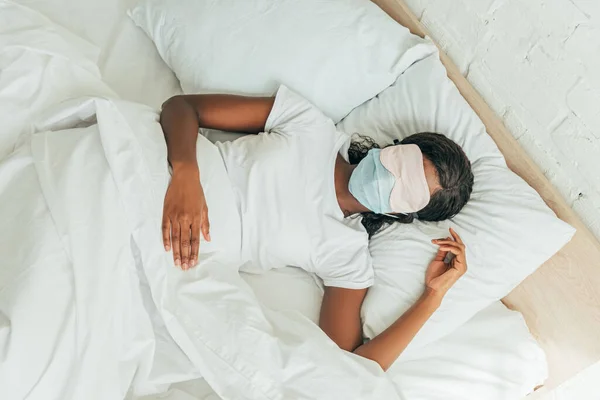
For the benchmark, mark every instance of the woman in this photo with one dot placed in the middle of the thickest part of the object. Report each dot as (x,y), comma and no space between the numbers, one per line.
(294,190)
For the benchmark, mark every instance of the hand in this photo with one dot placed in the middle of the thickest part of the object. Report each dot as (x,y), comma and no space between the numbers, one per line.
(440,276)
(185,214)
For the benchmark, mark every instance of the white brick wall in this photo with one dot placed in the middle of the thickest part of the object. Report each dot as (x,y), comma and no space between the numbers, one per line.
(537,64)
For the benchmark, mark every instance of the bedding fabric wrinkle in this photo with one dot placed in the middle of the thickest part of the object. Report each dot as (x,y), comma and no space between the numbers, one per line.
(242,349)
(91,304)
(110,178)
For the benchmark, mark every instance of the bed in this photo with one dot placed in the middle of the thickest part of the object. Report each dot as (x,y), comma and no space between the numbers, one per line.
(559,302)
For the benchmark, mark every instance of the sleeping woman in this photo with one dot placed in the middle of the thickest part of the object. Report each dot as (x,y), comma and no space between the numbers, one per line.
(299,185)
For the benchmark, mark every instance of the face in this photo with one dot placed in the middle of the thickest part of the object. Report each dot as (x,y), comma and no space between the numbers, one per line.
(363,174)
(431,176)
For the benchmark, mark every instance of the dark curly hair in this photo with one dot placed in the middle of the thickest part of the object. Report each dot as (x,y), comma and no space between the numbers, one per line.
(454,175)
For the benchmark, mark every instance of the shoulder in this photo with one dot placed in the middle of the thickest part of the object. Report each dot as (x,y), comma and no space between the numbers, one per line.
(292,113)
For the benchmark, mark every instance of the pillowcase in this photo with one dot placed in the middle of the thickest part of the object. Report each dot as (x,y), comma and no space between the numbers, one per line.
(507,228)
(492,356)
(337,54)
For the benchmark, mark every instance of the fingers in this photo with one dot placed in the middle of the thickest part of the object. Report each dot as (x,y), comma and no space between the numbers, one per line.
(184,239)
(455,236)
(452,249)
(441,255)
(450,243)
(200,226)
(186,245)
(205,225)
(195,243)
(166,232)
(459,262)
(455,243)
(176,242)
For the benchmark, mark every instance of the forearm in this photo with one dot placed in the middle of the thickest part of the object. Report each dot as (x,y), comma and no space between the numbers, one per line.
(387,347)
(185,212)
(180,125)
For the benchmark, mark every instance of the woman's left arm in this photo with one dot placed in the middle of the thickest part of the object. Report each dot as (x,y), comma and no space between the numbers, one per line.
(387,346)
(439,278)
(340,316)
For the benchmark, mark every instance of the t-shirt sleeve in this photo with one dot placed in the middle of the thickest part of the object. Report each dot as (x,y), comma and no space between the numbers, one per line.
(353,271)
(344,259)
(292,114)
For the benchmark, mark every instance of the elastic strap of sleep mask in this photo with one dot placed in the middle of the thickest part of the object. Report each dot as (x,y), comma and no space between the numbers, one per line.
(414,215)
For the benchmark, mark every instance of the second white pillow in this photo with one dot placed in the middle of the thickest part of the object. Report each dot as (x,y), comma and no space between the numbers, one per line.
(337,53)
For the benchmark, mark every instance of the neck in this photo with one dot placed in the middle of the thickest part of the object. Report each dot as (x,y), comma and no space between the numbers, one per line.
(347,202)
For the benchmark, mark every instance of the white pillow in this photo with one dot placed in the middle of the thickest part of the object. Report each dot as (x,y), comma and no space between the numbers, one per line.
(336,53)
(508,229)
(492,356)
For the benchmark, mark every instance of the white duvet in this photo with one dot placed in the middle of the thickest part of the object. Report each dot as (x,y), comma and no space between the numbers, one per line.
(82,192)
(91,306)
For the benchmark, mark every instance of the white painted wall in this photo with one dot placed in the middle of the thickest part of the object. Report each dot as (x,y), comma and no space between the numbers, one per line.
(537,64)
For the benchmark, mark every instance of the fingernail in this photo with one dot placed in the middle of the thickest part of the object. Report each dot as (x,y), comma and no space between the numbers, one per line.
(167,248)
(184,266)
(177,262)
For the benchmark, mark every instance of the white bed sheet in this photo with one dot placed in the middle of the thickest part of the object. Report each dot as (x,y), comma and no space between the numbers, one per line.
(128,60)
(492,357)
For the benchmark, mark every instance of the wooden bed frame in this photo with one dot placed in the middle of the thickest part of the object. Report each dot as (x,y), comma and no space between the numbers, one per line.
(561,300)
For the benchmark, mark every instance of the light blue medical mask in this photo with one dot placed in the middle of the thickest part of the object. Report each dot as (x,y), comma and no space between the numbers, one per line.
(371,183)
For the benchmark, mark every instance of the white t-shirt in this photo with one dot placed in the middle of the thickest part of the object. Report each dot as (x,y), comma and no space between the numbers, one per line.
(283,180)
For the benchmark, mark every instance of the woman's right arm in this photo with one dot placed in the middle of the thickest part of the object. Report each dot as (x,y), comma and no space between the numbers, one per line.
(185,213)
